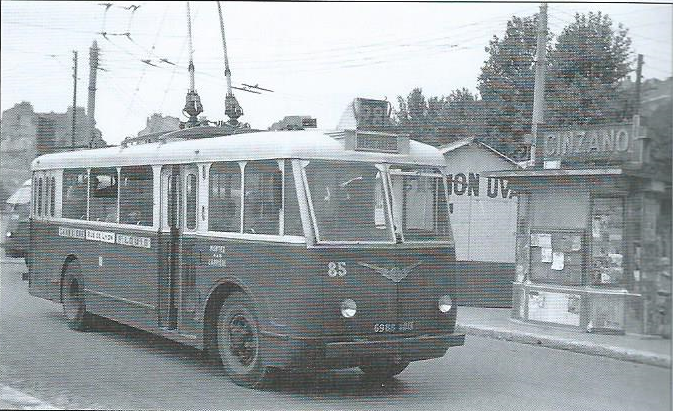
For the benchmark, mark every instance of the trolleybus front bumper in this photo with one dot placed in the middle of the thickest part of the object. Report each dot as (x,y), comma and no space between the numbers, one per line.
(300,352)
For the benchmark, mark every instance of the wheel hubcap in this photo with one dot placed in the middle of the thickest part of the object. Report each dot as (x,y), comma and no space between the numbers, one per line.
(242,340)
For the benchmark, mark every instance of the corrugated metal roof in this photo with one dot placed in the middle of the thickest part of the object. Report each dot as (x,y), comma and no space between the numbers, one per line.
(251,146)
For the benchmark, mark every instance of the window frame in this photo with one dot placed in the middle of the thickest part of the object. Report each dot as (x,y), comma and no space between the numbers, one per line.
(89,192)
(280,238)
(384,168)
(152,193)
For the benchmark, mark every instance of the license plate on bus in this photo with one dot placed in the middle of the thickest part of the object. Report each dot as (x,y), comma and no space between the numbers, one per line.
(393,328)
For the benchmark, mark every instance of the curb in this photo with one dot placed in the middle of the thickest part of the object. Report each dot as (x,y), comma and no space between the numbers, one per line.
(9,397)
(618,353)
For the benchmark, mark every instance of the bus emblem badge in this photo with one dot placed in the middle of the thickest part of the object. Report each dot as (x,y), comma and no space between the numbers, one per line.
(394,274)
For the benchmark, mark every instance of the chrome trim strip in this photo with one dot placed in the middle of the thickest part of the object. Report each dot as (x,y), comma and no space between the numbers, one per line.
(126,300)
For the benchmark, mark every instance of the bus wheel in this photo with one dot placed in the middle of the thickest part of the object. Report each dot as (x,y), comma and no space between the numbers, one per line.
(74,307)
(383,369)
(239,342)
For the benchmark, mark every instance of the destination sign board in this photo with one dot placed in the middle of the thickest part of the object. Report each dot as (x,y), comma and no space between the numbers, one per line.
(369,112)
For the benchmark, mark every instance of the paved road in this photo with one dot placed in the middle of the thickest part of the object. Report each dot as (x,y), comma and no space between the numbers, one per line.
(117,367)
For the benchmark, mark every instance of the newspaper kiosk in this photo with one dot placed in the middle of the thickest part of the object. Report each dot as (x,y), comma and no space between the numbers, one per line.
(593,233)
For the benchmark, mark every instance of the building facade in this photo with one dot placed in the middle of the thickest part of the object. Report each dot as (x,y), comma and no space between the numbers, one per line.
(483,219)
(25,134)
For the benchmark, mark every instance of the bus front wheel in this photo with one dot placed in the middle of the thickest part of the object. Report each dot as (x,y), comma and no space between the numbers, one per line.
(383,369)
(239,342)
(74,306)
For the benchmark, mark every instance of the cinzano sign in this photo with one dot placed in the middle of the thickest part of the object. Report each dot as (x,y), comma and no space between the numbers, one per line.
(615,142)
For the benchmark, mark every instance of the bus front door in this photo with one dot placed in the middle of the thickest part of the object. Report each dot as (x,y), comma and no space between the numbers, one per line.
(169,240)
(177,286)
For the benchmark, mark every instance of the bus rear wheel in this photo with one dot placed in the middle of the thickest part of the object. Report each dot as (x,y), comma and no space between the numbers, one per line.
(239,342)
(383,369)
(74,306)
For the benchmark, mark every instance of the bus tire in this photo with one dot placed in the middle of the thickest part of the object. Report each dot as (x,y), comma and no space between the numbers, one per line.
(74,306)
(383,369)
(239,342)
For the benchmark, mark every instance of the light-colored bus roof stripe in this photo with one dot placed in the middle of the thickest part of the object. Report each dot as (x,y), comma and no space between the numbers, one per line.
(307,144)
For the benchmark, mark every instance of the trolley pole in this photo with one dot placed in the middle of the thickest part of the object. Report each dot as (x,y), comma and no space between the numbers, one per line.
(74,96)
(540,67)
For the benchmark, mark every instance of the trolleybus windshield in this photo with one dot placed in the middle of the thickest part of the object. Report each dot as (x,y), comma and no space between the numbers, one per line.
(353,202)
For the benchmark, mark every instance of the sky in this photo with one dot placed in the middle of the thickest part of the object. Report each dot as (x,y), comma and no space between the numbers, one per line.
(316,57)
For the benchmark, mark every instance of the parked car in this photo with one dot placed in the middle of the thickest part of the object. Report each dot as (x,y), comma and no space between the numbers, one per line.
(17,211)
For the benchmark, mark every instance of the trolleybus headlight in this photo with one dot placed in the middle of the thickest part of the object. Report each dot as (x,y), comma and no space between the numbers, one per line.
(8,233)
(445,303)
(348,308)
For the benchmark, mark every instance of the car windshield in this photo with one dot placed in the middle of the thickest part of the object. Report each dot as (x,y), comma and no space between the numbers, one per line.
(349,202)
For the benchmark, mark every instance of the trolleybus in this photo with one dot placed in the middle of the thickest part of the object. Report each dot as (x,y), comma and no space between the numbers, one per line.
(287,249)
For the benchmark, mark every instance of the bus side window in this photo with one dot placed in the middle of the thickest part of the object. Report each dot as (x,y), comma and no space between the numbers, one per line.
(136,195)
(263,197)
(224,204)
(190,198)
(52,200)
(74,194)
(103,195)
(39,196)
(34,199)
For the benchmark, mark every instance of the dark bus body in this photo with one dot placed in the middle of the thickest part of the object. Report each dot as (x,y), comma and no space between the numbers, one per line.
(298,301)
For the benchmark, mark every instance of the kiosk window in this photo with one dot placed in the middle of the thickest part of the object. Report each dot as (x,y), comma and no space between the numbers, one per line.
(136,195)
(74,194)
(224,206)
(607,251)
(103,195)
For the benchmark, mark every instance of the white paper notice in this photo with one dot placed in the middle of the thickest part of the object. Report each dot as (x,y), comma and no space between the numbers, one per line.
(534,240)
(596,227)
(546,255)
(544,240)
(558,260)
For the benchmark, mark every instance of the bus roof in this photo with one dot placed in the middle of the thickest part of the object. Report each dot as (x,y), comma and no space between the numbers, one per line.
(305,144)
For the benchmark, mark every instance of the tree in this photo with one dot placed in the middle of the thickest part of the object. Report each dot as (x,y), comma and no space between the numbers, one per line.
(660,131)
(439,120)
(588,63)
(507,79)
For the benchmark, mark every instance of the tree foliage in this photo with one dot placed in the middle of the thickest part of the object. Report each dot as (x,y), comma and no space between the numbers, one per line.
(507,78)
(586,69)
(588,63)
(439,120)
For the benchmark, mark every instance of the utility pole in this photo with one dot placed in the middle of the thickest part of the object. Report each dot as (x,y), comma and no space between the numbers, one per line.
(540,67)
(74,95)
(91,103)
(639,71)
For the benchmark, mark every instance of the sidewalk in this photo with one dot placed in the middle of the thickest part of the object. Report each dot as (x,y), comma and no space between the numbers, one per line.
(496,323)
